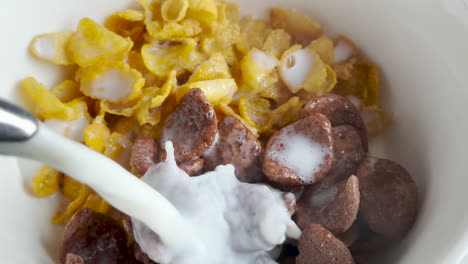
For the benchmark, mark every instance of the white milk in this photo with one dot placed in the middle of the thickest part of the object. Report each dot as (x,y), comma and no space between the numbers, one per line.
(235,222)
(343,51)
(264,61)
(299,153)
(295,69)
(72,129)
(209,219)
(46,47)
(113,85)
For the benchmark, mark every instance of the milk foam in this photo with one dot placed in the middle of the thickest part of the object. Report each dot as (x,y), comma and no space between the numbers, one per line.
(234,222)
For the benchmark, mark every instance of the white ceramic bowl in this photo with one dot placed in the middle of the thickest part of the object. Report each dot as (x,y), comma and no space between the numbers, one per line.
(421,47)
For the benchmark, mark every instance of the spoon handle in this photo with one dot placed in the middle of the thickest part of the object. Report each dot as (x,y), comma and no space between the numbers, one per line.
(16,124)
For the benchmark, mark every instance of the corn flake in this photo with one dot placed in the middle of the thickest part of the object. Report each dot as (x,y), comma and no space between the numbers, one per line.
(277,42)
(44,104)
(376,120)
(323,46)
(255,111)
(174,10)
(303,29)
(153,18)
(70,188)
(46,181)
(67,90)
(253,34)
(229,111)
(113,82)
(76,204)
(119,148)
(256,66)
(364,83)
(92,43)
(97,204)
(213,68)
(228,12)
(178,30)
(223,43)
(204,11)
(72,129)
(149,112)
(51,47)
(345,50)
(96,134)
(216,91)
(317,76)
(160,57)
(286,113)
(277,92)
(127,23)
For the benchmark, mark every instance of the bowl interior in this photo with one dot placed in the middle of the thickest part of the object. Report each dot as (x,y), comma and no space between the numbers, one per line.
(420,47)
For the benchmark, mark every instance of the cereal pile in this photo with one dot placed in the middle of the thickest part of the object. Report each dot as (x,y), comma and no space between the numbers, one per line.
(276,98)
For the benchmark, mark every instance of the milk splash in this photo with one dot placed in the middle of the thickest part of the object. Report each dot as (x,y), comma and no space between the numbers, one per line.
(232,222)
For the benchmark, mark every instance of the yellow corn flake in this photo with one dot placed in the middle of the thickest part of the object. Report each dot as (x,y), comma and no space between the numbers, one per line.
(67,90)
(294,66)
(160,57)
(97,204)
(345,49)
(204,11)
(149,111)
(255,111)
(213,68)
(135,60)
(323,46)
(72,129)
(70,188)
(228,12)
(330,82)
(126,126)
(152,13)
(119,148)
(317,76)
(345,70)
(46,181)
(277,42)
(253,34)
(303,29)
(286,113)
(222,44)
(174,10)
(217,91)
(127,23)
(228,111)
(364,83)
(92,43)
(43,103)
(277,92)
(346,56)
(257,65)
(224,33)
(96,134)
(51,47)
(146,104)
(73,207)
(302,69)
(113,82)
(127,109)
(376,120)
(178,30)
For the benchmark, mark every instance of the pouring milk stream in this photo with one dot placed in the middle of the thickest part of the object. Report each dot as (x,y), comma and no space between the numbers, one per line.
(211,219)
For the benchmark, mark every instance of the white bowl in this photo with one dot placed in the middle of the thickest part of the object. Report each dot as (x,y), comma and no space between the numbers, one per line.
(421,47)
